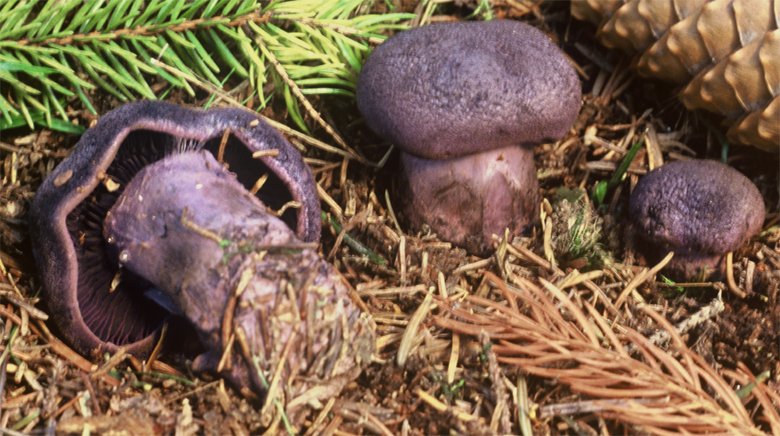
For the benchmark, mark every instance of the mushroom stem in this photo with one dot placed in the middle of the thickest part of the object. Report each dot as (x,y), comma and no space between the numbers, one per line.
(240,276)
(469,199)
(451,90)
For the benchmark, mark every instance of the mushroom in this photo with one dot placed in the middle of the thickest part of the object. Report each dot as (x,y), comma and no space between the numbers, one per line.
(240,276)
(700,210)
(465,102)
(94,305)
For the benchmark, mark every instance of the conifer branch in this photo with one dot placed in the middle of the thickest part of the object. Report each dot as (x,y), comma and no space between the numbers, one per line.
(54,56)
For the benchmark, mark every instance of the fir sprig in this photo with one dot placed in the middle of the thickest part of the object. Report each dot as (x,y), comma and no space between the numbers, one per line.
(56,53)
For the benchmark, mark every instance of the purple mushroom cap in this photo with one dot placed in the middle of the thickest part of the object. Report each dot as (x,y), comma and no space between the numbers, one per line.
(93,309)
(700,210)
(465,102)
(454,89)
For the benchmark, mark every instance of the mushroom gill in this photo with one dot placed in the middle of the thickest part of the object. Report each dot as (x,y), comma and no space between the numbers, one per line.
(95,304)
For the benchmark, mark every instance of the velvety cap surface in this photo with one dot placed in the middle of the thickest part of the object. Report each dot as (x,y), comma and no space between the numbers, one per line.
(699,206)
(452,89)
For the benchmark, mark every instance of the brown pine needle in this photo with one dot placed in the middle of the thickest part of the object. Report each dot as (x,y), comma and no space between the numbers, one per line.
(657,390)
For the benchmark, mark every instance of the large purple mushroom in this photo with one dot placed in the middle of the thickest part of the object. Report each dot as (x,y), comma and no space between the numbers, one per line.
(95,306)
(700,210)
(466,102)
(240,276)
(143,222)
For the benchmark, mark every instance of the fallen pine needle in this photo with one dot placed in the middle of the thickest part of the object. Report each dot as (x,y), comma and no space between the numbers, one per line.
(410,336)
(441,407)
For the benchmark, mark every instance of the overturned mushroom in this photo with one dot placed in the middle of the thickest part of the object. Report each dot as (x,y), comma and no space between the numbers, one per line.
(698,209)
(143,213)
(465,102)
(241,277)
(95,306)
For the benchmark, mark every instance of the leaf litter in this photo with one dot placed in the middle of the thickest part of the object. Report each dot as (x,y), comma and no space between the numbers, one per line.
(561,330)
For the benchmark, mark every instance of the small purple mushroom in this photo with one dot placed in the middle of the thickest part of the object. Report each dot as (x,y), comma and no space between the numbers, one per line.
(465,102)
(700,210)
(95,307)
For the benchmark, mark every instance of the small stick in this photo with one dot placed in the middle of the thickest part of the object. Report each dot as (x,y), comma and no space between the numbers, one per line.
(92,395)
(499,390)
(354,243)
(116,359)
(157,348)
(709,311)
(289,205)
(202,231)
(273,152)
(259,184)
(24,305)
(441,407)
(523,407)
(586,406)
(733,287)
(452,365)
(227,329)
(273,389)
(391,212)
(410,335)
(641,278)
(222,145)
(225,362)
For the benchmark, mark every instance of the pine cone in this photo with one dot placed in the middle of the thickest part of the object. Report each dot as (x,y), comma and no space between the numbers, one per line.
(727,51)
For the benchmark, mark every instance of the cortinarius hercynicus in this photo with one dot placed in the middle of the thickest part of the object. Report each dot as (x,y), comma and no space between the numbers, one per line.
(92,307)
(142,211)
(698,209)
(241,276)
(465,102)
